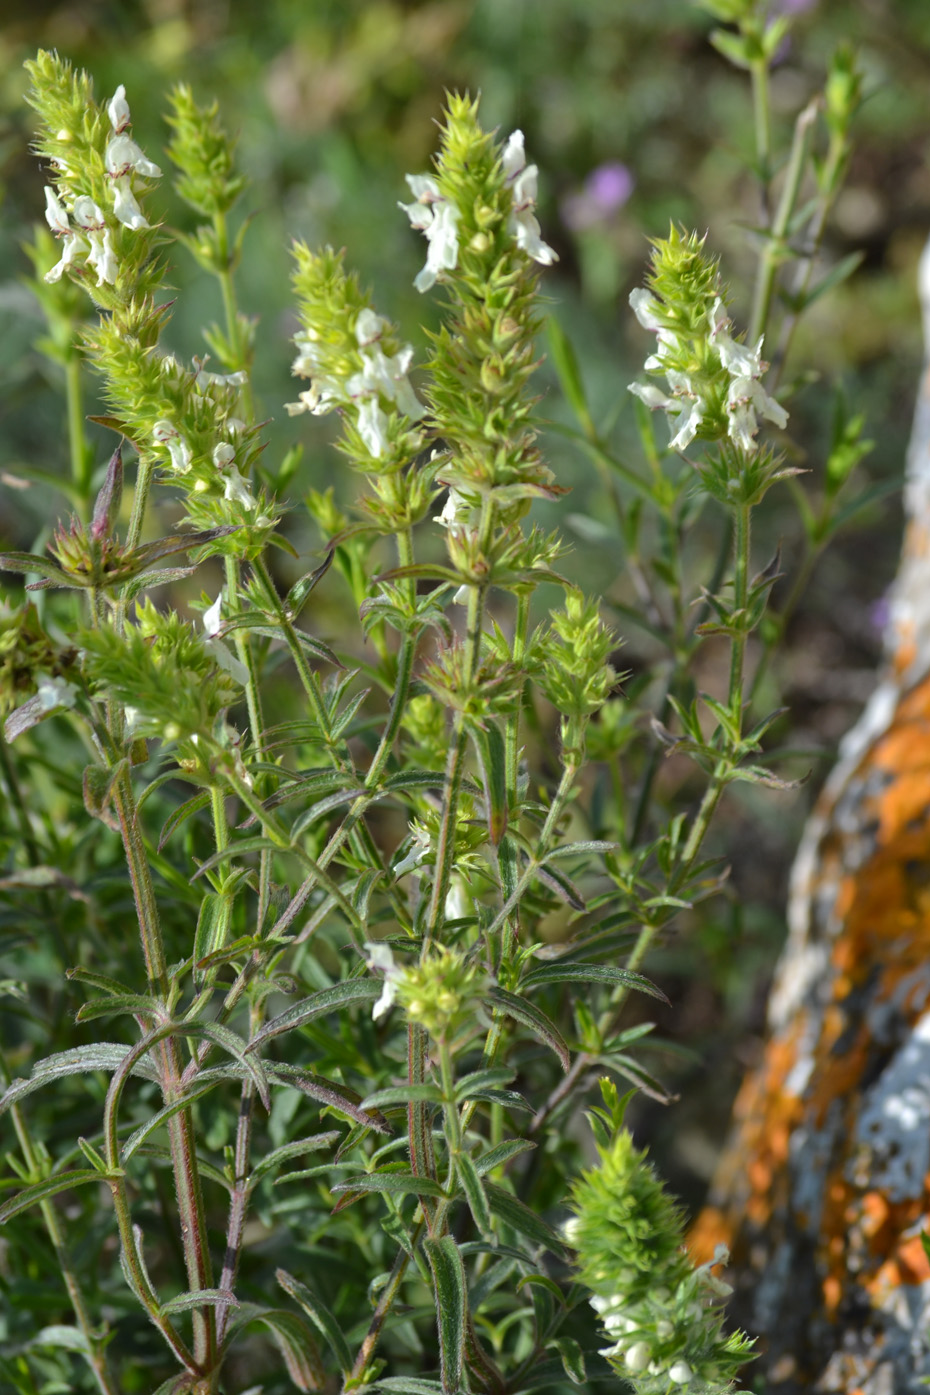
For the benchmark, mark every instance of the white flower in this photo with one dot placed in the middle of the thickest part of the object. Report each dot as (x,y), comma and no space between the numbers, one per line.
(639,1356)
(212,618)
(224,454)
(419,848)
(437,218)
(747,397)
(55,215)
(680,1373)
(125,206)
(72,247)
(180,452)
(522,223)
(237,490)
(204,379)
(689,418)
(737,359)
(123,155)
(118,110)
(456,507)
(369,327)
(648,311)
(570,1230)
(102,257)
(212,624)
(379,956)
(56,692)
(386,374)
(88,214)
(685,408)
(372,427)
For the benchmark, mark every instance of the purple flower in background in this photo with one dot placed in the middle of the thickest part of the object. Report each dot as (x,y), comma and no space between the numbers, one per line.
(606,189)
(792,7)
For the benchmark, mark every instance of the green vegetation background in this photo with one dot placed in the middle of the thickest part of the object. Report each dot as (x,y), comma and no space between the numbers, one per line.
(334,100)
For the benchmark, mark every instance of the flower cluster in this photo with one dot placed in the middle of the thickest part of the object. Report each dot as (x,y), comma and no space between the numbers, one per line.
(437,215)
(83,226)
(714,381)
(441,993)
(663,1314)
(354,360)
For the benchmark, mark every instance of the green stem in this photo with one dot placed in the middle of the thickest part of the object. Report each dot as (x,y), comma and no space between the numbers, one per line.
(741,543)
(180,1126)
(80,455)
(455,765)
(95,1353)
(762,119)
(773,253)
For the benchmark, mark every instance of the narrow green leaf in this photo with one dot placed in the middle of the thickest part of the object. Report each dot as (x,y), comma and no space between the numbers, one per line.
(509,1099)
(474,1194)
(296,1149)
(41,1191)
(532,1017)
(135,1003)
(404,1183)
(107,985)
(301,589)
(320,1315)
(563,886)
(293,1339)
(323,807)
(212,927)
(199,1298)
(403,1094)
(586,845)
(59,1335)
(340,1098)
(572,1357)
(102,1055)
(240,849)
(489,745)
(414,780)
(178,816)
(448,1272)
(26,562)
(480,1079)
(341,995)
(555,972)
(566,366)
(496,1157)
(408,1385)
(520,1218)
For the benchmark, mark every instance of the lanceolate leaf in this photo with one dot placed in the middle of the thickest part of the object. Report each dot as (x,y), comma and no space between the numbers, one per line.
(403,1094)
(320,1315)
(520,1218)
(496,1157)
(102,1055)
(531,1016)
(338,1097)
(351,990)
(448,1272)
(474,1194)
(296,1149)
(41,1191)
(200,1298)
(178,816)
(293,1339)
(589,973)
(112,1007)
(403,1183)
